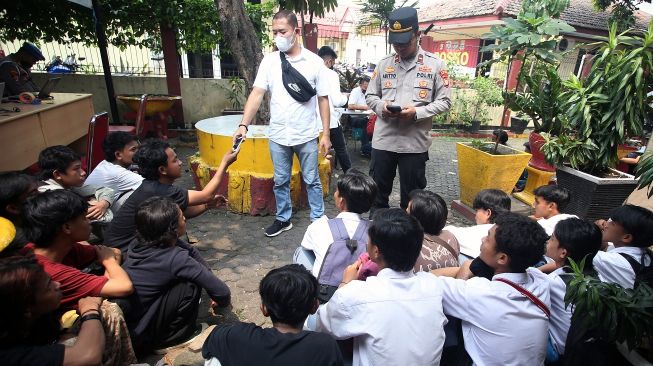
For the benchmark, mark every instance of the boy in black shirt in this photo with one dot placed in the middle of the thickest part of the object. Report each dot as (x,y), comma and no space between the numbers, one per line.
(288,296)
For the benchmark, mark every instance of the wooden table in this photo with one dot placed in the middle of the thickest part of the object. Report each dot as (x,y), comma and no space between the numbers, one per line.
(61,121)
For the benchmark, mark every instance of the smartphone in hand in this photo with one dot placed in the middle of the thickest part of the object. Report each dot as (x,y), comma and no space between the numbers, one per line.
(236,146)
(393,108)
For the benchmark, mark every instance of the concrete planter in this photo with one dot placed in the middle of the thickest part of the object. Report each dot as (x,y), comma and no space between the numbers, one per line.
(478,170)
(593,197)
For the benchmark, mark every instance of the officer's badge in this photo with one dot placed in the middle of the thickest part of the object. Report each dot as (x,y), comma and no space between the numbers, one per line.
(445,77)
(423,93)
(423,84)
(387,84)
(425,69)
(389,69)
(396,26)
(420,59)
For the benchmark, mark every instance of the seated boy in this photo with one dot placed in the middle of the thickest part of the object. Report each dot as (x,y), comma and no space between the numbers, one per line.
(288,296)
(15,189)
(396,316)
(160,166)
(56,222)
(550,201)
(440,248)
(488,203)
(572,239)
(168,276)
(61,168)
(504,320)
(353,197)
(630,230)
(113,172)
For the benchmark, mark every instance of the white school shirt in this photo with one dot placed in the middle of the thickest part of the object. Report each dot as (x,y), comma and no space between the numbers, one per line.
(318,237)
(394,317)
(612,267)
(560,315)
(469,238)
(357,97)
(336,99)
(550,224)
(500,326)
(291,122)
(116,177)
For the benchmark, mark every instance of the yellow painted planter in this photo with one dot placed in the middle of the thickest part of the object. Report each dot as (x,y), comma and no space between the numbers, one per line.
(536,178)
(478,170)
(250,178)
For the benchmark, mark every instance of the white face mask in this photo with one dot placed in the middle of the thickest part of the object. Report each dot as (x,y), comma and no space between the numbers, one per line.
(283,43)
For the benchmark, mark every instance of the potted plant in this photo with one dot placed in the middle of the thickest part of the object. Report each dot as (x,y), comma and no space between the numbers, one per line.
(598,113)
(486,94)
(235,96)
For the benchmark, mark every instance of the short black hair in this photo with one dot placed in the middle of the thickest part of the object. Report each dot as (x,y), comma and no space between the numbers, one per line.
(495,200)
(501,135)
(581,238)
(57,157)
(288,15)
(326,51)
(522,239)
(358,190)
(45,213)
(636,221)
(398,236)
(157,220)
(12,186)
(150,156)
(364,79)
(289,293)
(553,193)
(116,141)
(430,209)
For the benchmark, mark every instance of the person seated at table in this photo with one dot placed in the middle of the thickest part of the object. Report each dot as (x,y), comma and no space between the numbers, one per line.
(357,103)
(15,189)
(15,70)
(61,168)
(113,172)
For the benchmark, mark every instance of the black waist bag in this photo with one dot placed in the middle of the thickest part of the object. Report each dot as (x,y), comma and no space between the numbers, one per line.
(295,83)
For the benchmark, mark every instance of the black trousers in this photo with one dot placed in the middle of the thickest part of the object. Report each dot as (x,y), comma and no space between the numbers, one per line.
(340,146)
(412,174)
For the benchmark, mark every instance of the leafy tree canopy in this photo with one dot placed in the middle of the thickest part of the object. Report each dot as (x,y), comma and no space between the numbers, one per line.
(622,13)
(313,7)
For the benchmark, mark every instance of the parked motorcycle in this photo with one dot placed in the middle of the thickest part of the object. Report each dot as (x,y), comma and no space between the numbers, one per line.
(67,66)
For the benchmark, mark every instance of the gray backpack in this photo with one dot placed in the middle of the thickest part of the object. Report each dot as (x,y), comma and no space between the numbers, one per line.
(342,252)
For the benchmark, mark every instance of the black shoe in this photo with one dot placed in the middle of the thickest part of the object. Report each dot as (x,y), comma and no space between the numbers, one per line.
(277,228)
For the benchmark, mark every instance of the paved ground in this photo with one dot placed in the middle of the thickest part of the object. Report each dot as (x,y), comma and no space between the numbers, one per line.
(239,253)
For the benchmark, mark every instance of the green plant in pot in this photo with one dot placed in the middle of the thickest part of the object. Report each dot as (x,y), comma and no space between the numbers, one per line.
(235,95)
(486,94)
(599,112)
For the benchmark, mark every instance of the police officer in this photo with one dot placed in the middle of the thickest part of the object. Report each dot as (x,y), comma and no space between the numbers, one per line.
(407,89)
(15,70)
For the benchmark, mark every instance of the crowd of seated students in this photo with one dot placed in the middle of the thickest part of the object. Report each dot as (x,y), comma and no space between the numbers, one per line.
(401,288)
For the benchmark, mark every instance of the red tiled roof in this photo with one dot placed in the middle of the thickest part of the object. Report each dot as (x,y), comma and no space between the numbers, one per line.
(579,14)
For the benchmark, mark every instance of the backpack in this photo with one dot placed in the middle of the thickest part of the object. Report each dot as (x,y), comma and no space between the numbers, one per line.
(341,253)
(643,273)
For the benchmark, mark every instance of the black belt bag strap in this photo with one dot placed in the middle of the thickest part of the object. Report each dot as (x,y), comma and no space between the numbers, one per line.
(295,83)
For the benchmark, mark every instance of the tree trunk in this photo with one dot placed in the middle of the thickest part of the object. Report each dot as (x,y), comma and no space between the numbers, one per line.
(240,37)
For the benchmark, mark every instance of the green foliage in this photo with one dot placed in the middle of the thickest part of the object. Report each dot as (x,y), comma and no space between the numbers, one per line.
(235,92)
(349,78)
(376,13)
(547,8)
(607,106)
(622,11)
(461,108)
(616,314)
(478,144)
(644,172)
(313,7)
(487,94)
(259,14)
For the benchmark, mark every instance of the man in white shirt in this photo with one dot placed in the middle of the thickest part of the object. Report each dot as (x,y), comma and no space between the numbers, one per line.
(113,172)
(395,317)
(357,103)
(336,99)
(504,320)
(550,200)
(292,123)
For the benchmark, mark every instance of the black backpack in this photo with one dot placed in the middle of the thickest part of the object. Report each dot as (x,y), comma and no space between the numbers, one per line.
(643,273)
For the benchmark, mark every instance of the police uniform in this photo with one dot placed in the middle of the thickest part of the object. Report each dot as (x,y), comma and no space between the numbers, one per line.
(18,79)
(421,82)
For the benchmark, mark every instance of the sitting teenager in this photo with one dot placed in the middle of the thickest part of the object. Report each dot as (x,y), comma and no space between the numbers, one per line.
(168,276)
(288,296)
(28,327)
(505,320)
(61,168)
(353,197)
(487,204)
(393,309)
(550,201)
(15,189)
(159,165)
(56,223)
(574,239)
(113,172)
(630,230)
(440,248)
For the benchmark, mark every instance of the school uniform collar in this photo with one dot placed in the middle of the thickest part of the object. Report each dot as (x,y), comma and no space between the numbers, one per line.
(348,216)
(52,182)
(518,278)
(298,57)
(628,250)
(392,274)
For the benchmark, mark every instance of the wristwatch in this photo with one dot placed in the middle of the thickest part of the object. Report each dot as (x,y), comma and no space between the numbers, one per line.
(90,317)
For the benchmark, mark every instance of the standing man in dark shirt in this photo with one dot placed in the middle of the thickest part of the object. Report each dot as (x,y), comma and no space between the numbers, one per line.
(15,70)
(160,166)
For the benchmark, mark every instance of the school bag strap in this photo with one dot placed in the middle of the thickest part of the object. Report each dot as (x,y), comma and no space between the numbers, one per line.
(643,273)
(445,245)
(534,299)
(295,83)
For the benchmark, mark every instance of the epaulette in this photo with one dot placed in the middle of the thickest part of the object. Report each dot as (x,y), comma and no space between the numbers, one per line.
(388,56)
